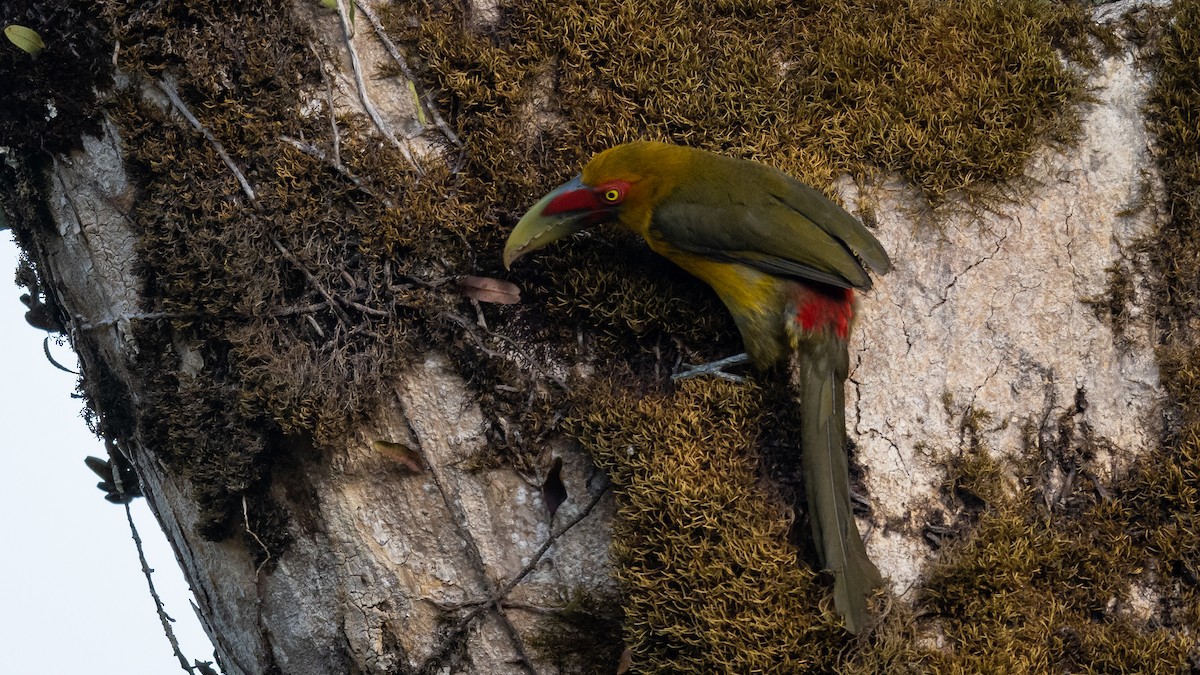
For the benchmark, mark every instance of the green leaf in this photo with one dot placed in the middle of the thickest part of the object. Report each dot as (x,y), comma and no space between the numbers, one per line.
(331,4)
(26,39)
(412,89)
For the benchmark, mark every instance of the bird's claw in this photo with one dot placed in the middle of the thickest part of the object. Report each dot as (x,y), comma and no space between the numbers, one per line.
(714,368)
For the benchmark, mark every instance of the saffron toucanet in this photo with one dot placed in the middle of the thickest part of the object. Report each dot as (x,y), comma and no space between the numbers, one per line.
(784,259)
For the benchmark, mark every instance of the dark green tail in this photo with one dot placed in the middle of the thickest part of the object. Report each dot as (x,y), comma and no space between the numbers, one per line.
(823,363)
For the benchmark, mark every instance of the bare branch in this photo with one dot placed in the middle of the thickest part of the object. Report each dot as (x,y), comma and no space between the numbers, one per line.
(158,603)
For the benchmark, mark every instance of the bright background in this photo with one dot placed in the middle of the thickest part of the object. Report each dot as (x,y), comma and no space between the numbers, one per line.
(73,598)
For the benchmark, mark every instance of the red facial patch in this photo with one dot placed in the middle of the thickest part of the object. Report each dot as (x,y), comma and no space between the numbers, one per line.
(832,309)
(583,199)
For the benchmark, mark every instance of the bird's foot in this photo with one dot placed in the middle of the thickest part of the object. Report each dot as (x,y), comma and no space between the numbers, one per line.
(715,368)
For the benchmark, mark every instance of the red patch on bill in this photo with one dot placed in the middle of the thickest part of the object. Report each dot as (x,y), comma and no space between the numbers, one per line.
(582,199)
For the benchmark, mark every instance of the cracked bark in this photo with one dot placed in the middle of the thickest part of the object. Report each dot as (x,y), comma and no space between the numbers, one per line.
(987,311)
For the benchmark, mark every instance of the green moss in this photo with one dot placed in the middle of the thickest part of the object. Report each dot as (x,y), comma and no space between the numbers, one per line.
(701,548)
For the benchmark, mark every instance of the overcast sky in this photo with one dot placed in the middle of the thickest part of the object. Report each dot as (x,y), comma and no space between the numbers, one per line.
(73,598)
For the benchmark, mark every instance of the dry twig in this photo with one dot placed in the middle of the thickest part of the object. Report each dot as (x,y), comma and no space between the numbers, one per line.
(158,603)
(169,89)
(368,106)
(408,74)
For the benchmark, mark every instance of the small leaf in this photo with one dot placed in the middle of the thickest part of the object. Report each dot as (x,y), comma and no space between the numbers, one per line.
(554,492)
(26,39)
(487,289)
(421,118)
(100,467)
(331,4)
(626,661)
(402,453)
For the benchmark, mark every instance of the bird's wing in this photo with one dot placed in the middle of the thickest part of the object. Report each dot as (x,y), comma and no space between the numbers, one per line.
(765,233)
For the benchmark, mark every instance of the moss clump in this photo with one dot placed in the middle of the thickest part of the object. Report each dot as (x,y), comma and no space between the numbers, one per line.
(49,99)
(817,90)
(295,301)
(1040,580)
(1166,489)
(701,548)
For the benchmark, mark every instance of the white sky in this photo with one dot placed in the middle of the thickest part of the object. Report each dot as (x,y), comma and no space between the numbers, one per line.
(72,595)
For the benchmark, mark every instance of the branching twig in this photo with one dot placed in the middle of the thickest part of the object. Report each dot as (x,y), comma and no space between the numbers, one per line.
(333,125)
(368,106)
(496,599)
(469,330)
(246,519)
(158,603)
(537,558)
(404,69)
(169,89)
(316,283)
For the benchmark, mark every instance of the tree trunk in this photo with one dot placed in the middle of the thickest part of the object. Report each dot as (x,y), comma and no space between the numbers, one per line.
(256,247)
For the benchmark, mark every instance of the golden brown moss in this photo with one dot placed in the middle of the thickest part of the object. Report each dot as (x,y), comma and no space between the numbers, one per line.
(711,583)
(1166,490)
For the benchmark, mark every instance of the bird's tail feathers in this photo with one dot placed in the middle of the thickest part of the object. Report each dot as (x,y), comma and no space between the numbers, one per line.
(819,376)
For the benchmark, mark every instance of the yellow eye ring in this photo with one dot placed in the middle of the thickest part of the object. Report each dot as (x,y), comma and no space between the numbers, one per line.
(611,195)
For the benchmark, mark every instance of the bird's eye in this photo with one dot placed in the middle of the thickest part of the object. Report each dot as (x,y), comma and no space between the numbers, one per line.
(612,195)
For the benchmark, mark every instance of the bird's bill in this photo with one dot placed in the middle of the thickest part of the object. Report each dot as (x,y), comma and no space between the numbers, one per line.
(571,207)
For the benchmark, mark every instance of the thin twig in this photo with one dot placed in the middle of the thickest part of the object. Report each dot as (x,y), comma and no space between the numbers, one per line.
(368,106)
(367,310)
(459,520)
(537,558)
(158,603)
(183,316)
(317,153)
(246,519)
(408,74)
(311,280)
(169,89)
(469,328)
(315,326)
(333,125)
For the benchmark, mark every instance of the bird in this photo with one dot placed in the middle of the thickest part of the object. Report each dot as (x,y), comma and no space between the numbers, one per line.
(786,262)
